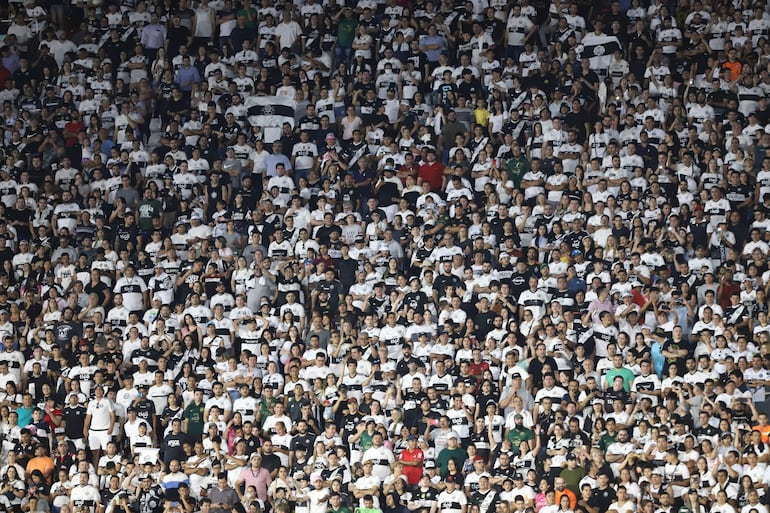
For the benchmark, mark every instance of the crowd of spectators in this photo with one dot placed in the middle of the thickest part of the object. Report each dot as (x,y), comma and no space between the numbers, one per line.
(501,257)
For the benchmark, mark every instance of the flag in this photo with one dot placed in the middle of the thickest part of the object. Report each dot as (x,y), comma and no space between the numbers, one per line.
(270,111)
(599,50)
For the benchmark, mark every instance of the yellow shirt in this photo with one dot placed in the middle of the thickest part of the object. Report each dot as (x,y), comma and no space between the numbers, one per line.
(481,116)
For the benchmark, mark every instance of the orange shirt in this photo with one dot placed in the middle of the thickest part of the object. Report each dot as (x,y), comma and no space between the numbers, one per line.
(734,67)
(42,463)
(765,431)
(569,493)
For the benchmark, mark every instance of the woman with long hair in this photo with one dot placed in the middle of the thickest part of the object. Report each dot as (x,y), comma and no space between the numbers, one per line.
(13,487)
(541,241)
(159,65)
(190,328)
(535,142)
(10,397)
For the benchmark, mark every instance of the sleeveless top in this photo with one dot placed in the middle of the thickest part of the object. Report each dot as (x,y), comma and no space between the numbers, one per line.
(203,22)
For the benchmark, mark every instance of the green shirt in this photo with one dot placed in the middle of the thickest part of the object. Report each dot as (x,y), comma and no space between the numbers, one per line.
(446,454)
(572,478)
(147,209)
(516,436)
(265,410)
(607,440)
(517,168)
(346,31)
(625,373)
(193,414)
(365,441)
(249,23)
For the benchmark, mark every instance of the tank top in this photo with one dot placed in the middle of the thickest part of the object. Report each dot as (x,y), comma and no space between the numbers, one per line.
(203,22)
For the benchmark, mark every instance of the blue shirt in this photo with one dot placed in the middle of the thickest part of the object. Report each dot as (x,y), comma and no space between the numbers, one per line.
(658,360)
(186,77)
(273,160)
(171,484)
(11,62)
(153,36)
(433,40)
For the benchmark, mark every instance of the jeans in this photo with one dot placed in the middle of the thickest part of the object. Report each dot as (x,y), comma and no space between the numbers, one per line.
(343,54)
(514,51)
(300,173)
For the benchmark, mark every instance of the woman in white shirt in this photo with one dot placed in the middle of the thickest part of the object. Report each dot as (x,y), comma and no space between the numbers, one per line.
(535,142)
(362,43)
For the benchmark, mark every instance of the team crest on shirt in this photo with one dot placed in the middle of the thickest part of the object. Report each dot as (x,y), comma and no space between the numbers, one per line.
(267,110)
(599,50)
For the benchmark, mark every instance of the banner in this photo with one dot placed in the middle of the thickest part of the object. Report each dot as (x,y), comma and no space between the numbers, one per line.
(599,50)
(270,111)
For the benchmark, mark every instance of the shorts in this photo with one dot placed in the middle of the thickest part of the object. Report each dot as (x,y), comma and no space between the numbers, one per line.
(98,439)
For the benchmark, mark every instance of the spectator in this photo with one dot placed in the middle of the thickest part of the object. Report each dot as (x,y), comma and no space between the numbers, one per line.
(277,257)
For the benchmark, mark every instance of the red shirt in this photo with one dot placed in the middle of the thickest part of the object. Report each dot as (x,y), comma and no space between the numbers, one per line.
(4,76)
(413,474)
(72,127)
(433,174)
(405,171)
(477,369)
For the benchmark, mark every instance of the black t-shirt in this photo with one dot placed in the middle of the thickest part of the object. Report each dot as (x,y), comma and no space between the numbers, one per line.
(23,216)
(673,346)
(145,410)
(350,424)
(487,501)
(416,301)
(536,370)
(602,499)
(271,461)
(169,414)
(64,331)
(424,495)
(737,194)
(609,397)
(75,419)
(323,235)
(177,36)
(100,289)
(443,281)
(307,441)
(469,88)
(347,268)
(431,419)
(173,447)
(252,444)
